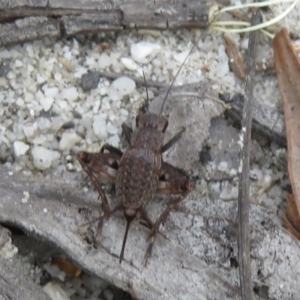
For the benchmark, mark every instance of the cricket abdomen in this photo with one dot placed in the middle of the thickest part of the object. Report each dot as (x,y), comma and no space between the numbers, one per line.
(137,178)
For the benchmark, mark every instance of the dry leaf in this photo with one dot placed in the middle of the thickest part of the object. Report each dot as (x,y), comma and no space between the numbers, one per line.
(288,74)
(291,220)
(235,61)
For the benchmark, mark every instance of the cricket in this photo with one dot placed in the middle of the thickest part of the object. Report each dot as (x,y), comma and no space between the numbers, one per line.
(140,172)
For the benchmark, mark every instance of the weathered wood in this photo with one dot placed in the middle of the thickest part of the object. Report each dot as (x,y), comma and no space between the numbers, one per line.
(195,261)
(15,285)
(24,20)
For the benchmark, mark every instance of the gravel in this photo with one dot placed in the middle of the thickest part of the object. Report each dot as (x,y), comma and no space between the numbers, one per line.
(41,92)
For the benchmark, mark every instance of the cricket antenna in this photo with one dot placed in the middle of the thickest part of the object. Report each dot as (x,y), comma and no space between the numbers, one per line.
(172,83)
(129,219)
(145,107)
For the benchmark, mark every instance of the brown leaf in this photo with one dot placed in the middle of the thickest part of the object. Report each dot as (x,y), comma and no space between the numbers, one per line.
(235,61)
(291,220)
(288,74)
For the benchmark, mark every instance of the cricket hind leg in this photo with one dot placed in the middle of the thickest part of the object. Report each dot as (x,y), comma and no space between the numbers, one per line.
(172,181)
(105,166)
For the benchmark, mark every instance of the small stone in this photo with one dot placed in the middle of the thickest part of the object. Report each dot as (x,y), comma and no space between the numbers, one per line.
(55,291)
(111,128)
(90,80)
(99,127)
(20,148)
(114,140)
(47,103)
(18,63)
(28,97)
(68,140)
(129,63)
(42,157)
(70,94)
(20,102)
(44,124)
(26,197)
(124,85)
(104,61)
(70,167)
(58,76)
(180,57)
(69,158)
(40,79)
(29,130)
(144,51)
(223,166)
(114,95)
(51,92)
(4,68)
(5,54)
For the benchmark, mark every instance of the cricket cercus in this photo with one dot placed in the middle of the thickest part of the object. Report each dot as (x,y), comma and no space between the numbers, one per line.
(138,173)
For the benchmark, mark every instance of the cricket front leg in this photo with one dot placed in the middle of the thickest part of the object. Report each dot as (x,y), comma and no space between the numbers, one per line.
(172,182)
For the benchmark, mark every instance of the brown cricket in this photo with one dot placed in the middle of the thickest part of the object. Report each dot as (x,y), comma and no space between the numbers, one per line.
(138,173)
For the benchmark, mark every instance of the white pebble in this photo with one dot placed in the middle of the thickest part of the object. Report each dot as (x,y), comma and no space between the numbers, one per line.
(44,124)
(123,112)
(222,53)
(18,63)
(223,165)
(20,148)
(28,97)
(29,130)
(30,68)
(42,157)
(129,63)
(103,90)
(180,57)
(124,85)
(5,54)
(47,103)
(113,94)
(55,291)
(114,140)
(51,92)
(99,127)
(104,61)
(20,102)
(58,76)
(26,197)
(40,79)
(68,140)
(70,94)
(111,128)
(144,51)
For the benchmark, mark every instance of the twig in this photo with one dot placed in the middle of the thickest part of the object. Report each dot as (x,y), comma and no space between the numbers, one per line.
(243,193)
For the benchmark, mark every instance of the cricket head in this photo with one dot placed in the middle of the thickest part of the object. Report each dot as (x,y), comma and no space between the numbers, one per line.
(152,121)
